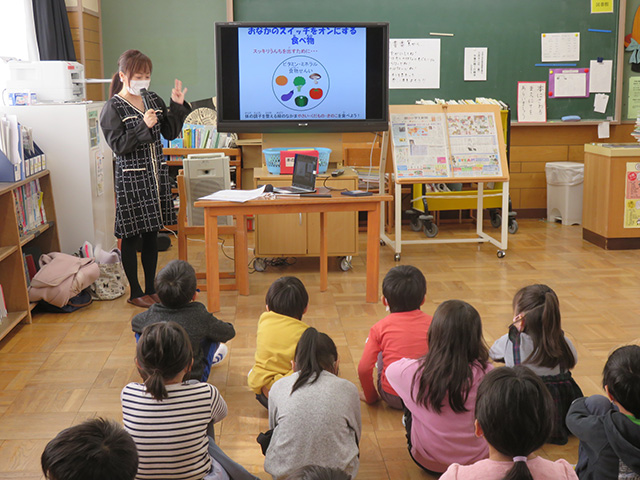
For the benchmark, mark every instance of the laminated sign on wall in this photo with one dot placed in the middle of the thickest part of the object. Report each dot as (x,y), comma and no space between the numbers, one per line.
(632,196)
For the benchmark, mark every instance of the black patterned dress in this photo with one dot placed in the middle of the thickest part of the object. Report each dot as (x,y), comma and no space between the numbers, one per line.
(143,191)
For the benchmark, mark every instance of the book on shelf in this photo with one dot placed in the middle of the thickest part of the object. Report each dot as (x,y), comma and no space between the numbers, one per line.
(468,101)
(26,270)
(30,209)
(31,265)
(3,305)
(199,136)
(20,156)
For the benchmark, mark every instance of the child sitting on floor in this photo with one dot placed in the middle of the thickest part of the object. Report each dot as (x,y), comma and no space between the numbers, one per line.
(513,412)
(279,330)
(170,418)
(314,414)
(98,449)
(176,285)
(536,340)
(439,390)
(609,428)
(401,334)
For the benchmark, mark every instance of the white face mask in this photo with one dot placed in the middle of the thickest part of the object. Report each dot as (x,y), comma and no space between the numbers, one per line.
(136,85)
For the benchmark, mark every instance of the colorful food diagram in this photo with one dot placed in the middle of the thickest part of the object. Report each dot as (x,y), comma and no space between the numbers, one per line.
(300,83)
(433,145)
(475,149)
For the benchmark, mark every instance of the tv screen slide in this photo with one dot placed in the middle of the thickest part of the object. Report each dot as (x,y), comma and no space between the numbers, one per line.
(302,75)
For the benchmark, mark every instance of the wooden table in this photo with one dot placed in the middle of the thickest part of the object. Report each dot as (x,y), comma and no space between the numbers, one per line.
(337,203)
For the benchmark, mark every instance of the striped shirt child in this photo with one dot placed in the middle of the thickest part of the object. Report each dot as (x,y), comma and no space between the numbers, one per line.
(171,435)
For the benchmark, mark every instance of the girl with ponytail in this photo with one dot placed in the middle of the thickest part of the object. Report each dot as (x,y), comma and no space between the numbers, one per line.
(315,416)
(536,340)
(170,418)
(513,413)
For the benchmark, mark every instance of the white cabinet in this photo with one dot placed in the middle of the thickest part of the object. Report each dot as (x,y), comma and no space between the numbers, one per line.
(81,169)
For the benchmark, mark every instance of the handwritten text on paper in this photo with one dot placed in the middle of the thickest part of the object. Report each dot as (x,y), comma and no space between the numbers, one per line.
(414,63)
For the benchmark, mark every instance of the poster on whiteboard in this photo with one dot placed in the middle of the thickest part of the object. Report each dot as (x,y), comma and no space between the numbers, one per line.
(414,63)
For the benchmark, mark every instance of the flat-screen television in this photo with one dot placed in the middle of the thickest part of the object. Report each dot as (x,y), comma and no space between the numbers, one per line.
(302,77)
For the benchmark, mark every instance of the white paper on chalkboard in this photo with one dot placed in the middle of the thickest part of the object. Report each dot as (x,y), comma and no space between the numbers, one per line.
(600,76)
(475,64)
(532,106)
(570,84)
(600,102)
(560,47)
(414,63)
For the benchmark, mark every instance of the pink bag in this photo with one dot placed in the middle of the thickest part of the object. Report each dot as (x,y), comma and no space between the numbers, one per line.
(62,277)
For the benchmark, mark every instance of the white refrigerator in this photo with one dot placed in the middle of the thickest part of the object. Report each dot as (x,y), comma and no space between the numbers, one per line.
(81,168)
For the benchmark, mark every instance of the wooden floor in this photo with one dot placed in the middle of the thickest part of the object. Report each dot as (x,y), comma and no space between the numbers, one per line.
(63,369)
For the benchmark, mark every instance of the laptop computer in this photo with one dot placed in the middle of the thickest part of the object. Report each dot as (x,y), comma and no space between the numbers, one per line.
(304,175)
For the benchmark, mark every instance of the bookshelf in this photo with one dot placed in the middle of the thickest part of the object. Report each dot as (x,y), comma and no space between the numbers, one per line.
(12,242)
(235,164)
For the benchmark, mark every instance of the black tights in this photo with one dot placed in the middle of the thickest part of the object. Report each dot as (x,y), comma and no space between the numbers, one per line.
(149,257)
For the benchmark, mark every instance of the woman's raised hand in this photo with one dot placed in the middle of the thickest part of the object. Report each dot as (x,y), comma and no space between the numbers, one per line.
(177,94)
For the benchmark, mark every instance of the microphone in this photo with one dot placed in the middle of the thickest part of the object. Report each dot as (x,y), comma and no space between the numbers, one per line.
(146,100)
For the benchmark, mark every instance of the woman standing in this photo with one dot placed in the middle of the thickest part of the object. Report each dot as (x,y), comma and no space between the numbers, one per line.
(132,121)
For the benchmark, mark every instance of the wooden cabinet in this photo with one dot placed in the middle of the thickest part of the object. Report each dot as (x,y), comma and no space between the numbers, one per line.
(610,212)
(298,235)
(44,238)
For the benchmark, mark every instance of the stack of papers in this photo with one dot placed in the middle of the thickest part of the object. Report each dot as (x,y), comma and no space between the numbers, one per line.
(239,196)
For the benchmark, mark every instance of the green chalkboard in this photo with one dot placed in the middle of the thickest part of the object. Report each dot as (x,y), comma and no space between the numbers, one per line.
(510,29)
(177,36)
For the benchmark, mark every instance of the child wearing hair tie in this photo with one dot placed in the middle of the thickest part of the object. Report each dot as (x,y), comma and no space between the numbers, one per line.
(536,340)
(513,414)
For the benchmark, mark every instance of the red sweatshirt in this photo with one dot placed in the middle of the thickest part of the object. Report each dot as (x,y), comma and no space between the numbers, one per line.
(398,335)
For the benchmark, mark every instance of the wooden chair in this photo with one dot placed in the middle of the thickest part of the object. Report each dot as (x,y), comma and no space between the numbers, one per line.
(185,230)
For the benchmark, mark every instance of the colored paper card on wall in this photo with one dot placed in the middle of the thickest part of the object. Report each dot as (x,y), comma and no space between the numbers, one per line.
(601,6)
(568,82)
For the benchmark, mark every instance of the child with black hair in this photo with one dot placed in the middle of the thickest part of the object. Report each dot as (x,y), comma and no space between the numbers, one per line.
(609,428)
(176,285)
(401,334)
(98,449)
(513,413)
(314,414)
(439,390)
(171,419)
(536,340)
(279,330)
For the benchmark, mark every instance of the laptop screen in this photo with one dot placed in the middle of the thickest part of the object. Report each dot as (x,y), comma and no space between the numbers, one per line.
(304,171)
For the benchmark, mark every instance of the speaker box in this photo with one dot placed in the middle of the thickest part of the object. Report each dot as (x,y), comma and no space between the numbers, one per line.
(205,174)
